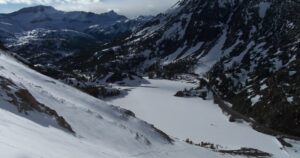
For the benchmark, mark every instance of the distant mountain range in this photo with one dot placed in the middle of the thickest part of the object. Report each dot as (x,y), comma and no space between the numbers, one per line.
(46,17)
(56,34)
(104,27)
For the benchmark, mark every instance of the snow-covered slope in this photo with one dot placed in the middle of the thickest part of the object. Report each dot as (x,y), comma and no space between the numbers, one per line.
(100,130)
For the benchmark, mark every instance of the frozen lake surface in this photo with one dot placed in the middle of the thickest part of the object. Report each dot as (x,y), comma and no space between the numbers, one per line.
(193,118)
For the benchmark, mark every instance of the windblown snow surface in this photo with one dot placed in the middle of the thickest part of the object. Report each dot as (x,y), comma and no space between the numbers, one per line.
(196,119)
(101,131)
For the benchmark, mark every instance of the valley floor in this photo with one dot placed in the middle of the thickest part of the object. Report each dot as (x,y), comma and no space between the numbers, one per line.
(194,118)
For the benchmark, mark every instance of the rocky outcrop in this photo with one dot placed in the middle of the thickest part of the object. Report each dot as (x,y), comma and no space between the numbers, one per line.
(26,105)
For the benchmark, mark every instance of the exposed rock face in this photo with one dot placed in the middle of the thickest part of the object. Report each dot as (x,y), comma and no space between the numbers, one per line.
(27,106)
(2,47)
(260,76)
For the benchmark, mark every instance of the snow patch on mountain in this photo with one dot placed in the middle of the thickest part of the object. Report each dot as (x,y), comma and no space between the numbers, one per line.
(263,8)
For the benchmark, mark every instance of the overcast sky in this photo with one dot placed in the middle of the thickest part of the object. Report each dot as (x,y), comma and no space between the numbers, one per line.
(130,8)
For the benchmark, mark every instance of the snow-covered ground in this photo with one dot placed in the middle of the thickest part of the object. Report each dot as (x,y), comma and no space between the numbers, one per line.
(101,130)
(194,118)
(107,132)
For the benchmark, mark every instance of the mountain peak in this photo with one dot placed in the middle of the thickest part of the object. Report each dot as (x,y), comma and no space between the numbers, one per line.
(43,7)
(112,13)
(115,15)
(36,9)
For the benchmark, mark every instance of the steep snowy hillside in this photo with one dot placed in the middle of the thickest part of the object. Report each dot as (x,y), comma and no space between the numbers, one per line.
(30,102)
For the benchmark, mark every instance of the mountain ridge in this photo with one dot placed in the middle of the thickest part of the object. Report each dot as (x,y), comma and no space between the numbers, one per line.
(48,17)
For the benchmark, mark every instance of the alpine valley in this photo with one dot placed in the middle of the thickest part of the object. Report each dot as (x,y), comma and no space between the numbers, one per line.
(216,78)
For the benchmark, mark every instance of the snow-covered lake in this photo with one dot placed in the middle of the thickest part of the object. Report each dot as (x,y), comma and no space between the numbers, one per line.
(193,118)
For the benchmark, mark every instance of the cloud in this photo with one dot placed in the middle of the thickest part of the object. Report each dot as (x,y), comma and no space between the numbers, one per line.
(48,1)
(131,8)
